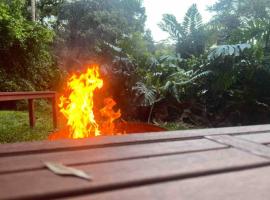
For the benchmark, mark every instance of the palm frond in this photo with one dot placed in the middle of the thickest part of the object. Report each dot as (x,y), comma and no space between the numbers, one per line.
(195,77)
(192,20)
(227,50)
(170,24)
(145,94)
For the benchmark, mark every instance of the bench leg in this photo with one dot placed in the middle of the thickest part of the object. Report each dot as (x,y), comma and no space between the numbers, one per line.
(54,112)
(31,110)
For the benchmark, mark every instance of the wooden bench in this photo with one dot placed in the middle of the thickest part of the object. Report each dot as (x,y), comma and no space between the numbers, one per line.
(30,96)
(224,163)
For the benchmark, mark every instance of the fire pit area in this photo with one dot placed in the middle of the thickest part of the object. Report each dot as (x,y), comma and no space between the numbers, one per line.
(84,119)
(121,128)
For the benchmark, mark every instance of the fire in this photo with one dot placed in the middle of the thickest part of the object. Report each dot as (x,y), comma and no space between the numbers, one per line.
(110,115)
(78,107)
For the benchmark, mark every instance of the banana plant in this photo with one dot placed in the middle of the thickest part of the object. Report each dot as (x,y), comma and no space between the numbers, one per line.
(165,79)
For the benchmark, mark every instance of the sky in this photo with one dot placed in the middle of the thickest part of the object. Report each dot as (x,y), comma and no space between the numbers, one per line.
(156,8)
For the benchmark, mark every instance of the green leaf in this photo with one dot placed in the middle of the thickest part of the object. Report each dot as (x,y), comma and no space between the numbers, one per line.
(227,50)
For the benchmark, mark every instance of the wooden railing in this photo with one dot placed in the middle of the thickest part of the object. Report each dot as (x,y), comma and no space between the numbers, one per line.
(30,96)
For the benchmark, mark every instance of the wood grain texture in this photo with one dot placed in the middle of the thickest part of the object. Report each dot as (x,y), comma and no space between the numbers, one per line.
(12,96)
(115,175)
(244,185)
(103,141)
(109,154)
(263,138)
(242,144)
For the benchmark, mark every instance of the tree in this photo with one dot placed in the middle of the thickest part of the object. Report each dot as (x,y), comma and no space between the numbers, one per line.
(189,35)
(26,58)
(241,21)
(98,24)
(235,91)
(49,10)
(33,10)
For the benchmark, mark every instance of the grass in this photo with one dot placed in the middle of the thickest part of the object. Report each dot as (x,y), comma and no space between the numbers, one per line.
(14,126)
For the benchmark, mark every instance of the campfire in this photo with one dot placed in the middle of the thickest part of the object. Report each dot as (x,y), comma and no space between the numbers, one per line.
(83,120)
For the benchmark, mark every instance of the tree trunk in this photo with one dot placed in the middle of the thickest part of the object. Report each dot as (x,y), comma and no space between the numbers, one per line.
(33,10)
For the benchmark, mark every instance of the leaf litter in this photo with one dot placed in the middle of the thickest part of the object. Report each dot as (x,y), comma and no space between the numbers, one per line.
(63,170)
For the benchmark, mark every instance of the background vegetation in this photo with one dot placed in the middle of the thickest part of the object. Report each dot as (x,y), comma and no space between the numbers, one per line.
(207,74)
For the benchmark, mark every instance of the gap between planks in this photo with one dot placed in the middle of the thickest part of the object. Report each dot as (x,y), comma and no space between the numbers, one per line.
(133,139)
(242,144)
(145,182)
(110,154)
(241,185)
(132,173)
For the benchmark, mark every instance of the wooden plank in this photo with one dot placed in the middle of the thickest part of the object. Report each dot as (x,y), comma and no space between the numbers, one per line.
(10,96)
(245,145)
(115,175)
(109,154)
(244,185)
(102,141)
(263,138)
(25,93)
(31,111)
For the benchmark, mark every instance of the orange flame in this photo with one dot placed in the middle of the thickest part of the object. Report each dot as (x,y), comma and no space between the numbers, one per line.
(110,115)
(77,107)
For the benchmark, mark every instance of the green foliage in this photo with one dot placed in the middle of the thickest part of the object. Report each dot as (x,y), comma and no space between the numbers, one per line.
(227,50)
(47,9)
(84,37)
(163,48)
(221,68)
(241,21)
(171,25)
(234,88)
(26,61)
(257,31)
(145,94)
(166,79)
(225,82)
(172,126)
(192,20)
(135,48)
(190,36)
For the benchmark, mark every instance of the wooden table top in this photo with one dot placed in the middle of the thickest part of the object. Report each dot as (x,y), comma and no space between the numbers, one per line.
(224,163)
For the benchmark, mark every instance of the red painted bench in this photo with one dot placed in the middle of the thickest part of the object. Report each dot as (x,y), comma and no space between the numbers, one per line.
(30,96)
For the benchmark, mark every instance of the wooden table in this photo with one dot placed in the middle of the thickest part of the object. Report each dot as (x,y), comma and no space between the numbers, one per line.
(30,96)
(224,163)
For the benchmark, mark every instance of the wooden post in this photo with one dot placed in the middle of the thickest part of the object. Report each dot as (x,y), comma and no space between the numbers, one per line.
(54,111)
(31,110)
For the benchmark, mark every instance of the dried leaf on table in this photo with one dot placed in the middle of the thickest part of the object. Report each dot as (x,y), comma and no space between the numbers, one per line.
(60,169)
